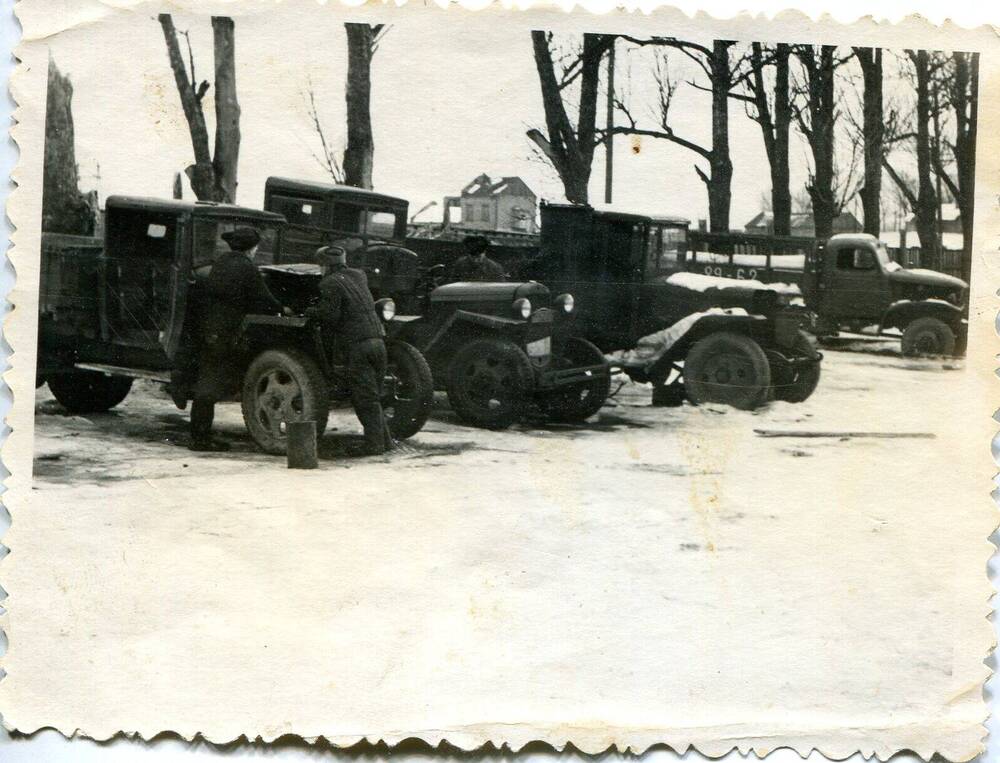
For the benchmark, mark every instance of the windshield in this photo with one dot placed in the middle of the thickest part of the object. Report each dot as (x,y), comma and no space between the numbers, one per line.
(208,242)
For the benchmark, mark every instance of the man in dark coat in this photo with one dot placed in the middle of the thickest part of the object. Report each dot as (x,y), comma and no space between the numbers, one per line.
(347,312)
(475,265)
(234,289)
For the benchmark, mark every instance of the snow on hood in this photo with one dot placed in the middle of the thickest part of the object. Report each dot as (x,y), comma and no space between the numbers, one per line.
(700,282)
(926,277)
(651,348)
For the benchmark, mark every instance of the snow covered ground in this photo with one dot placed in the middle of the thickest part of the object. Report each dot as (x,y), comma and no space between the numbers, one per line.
(681,527)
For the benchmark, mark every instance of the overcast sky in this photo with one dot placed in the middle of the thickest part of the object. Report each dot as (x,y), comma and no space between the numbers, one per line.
(445,108)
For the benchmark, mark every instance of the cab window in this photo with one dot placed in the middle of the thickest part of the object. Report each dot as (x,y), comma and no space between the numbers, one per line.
(380,224)
(306,212)
(855,259)
(665,245)
(347,218)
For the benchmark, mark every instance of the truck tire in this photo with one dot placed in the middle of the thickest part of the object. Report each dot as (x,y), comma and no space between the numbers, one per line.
(490,383)
(280,386)
(795,384)
(582,401)
(727,368)
(89,391)
(928,336)
(406,411)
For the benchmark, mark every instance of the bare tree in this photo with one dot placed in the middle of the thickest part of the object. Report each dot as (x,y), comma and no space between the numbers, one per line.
(961,84)
(328,160)
(64,208)
(873,136)
(724,77)
(359,156)
(769,105)
(569,148)
(212,177)
(817,119)
(924,200)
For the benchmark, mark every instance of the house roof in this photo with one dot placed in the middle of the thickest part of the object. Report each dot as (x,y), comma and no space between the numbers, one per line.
(506,186)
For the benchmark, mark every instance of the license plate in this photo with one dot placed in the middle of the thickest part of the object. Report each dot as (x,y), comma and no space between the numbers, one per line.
(540,348)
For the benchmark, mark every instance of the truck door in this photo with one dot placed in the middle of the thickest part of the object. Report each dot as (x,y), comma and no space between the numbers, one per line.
(852,283)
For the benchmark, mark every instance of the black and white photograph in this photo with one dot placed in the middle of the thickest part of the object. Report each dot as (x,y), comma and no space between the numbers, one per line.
(502,377)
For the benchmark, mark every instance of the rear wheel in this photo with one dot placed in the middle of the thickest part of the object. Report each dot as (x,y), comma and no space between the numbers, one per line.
(490,382)
(727,368)
(928,336)
(795,384)
(581,401)
(409,404)
(89,391)
(282,386)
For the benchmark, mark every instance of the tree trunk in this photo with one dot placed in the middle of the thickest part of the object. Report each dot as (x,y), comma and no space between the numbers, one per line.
(926,211)
(211,179)
(64,208)
(720,184)
(822,115)
(781,194)
(569,149)
(359,155)
(873,131)
(227,110)
(965,102)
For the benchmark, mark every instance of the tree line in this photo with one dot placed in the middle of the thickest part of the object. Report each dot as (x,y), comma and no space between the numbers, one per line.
(781,87)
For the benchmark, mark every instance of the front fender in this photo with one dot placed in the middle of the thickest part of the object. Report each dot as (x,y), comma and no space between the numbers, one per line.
(901,314)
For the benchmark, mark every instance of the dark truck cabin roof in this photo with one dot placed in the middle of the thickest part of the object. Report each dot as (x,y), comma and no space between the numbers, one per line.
(197,209)
(313,189)
(623,217)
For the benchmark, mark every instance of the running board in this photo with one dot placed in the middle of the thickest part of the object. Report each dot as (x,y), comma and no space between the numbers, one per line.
(135,373)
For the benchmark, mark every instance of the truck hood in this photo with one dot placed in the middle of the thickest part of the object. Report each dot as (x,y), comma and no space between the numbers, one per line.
(463,291)
(922,277)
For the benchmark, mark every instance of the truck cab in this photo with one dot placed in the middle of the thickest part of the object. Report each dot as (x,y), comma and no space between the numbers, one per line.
(857,283)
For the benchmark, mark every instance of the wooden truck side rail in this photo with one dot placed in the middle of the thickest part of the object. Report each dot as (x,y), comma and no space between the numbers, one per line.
(747,256)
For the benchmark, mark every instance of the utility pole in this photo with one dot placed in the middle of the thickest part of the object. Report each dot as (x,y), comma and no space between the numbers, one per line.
(609,140)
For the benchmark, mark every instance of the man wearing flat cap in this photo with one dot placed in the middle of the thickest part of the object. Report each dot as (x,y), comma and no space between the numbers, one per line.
(475,265)
(347,313)
(234,289)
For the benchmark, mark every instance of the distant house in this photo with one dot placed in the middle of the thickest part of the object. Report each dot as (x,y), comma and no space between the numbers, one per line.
(951,220)
(802,224)
(506,204)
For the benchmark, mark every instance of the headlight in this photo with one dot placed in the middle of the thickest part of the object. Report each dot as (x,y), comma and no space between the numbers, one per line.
(565,301)
(522,308)
(386,308)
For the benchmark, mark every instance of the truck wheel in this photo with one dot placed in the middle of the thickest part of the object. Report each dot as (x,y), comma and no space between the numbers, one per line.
(407,408)
(795,384)
(89,391)
(928,336)
(489,383)
(278,387)
(582,401)
(727,368)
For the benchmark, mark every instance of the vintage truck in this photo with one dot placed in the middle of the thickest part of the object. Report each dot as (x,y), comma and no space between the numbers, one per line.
(848,283)
(692,336)
(502,351)
(126,307)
